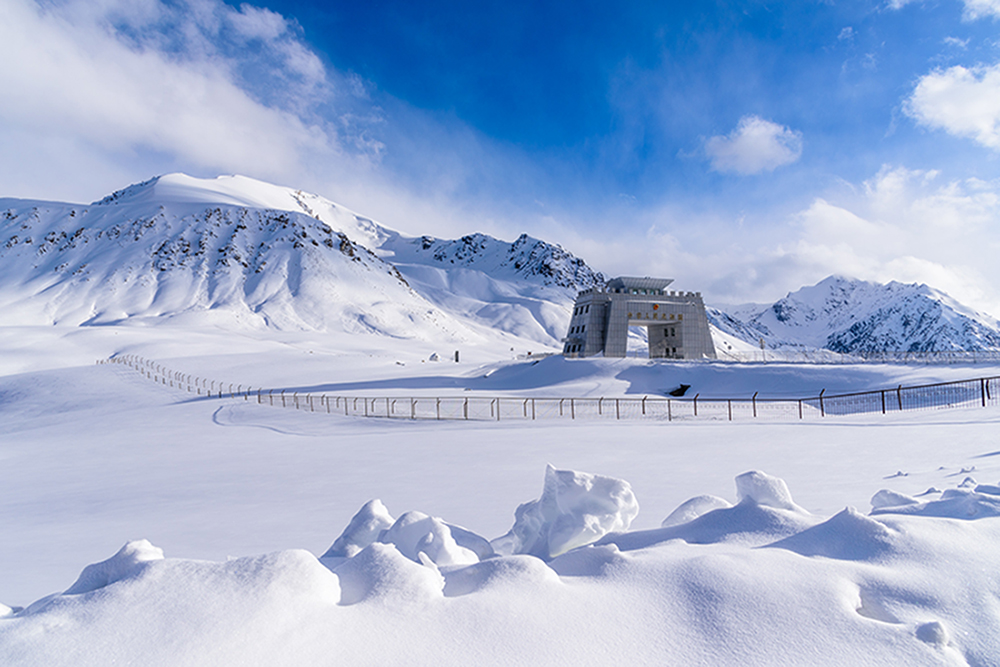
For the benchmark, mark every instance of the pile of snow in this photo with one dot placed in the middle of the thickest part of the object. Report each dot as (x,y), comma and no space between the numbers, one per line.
(575,509)
(853,589)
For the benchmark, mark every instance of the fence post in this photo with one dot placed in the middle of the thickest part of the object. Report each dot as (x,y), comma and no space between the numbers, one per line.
(643,406)
(258,396)
(670,414)
(498,408)
(822,408)
(465,408)
(413,408)
(560,406)
(729,401)
(387,415)
(754,399)
(572,408)
(800,408)
(599,401)
(532,409)
(437,407)
(982,390)
(618,413)
(696,404)
(366,405)
(883,400)
(899,397)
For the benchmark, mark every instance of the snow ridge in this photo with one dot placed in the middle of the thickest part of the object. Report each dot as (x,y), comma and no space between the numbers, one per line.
(854,316)
(526,258)
(262,267)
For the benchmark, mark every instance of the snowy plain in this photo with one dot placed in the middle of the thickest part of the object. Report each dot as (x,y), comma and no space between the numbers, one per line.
(243,499)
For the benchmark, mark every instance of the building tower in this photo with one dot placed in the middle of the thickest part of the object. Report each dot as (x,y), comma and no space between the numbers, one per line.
(675,321)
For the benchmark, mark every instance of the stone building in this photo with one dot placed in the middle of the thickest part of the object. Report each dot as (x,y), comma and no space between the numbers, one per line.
(675,321)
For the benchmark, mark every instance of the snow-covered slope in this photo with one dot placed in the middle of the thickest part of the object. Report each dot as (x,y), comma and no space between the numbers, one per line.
(266,255)
(161,248)
(855,316)
(526,287)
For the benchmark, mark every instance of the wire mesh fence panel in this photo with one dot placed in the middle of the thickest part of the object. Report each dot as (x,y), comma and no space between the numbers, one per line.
(949,395)
(853,404)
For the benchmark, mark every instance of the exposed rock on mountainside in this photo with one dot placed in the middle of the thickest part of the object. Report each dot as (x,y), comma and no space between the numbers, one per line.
(855,316)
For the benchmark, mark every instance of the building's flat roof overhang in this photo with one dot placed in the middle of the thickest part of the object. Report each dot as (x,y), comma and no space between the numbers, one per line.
(627,282)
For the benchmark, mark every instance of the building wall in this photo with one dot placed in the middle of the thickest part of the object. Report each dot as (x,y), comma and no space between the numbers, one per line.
(676,324)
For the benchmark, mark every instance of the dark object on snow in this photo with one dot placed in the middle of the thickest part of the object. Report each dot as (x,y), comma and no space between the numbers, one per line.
(680,391)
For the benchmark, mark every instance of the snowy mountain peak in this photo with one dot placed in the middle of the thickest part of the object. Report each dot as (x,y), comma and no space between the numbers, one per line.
(526,258)
(848,315)
(180,189)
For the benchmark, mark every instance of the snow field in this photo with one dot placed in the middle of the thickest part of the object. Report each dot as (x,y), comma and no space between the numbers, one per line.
(772,570)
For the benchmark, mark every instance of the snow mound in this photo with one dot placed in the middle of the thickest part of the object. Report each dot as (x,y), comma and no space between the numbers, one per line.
(575,509)
(848,535)
(953,504)
(381,573)
(887,498)
(419,537)
(762,489)
(126,563)
(765,513)
(501,575)
(426,539)
(691,509)
(365,527)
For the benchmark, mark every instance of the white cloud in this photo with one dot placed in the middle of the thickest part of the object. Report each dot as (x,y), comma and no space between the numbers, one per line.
(755,146)
(909,226)
(977,9)
(901,224)
(114,79)
(962,101)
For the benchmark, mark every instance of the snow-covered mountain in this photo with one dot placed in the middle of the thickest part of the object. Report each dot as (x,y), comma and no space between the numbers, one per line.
(526,287)
(172,247)
(855,316)
(235,249)
(265,255)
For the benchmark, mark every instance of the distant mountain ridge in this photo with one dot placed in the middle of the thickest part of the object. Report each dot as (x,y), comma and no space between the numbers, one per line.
(857,317)
(272,256)
(267,255)
(526,258)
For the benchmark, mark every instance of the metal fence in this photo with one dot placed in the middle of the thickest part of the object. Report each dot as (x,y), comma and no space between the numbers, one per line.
(979,392)
(816,356)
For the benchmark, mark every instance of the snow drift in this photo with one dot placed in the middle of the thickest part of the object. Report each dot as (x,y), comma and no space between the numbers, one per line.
(906,586)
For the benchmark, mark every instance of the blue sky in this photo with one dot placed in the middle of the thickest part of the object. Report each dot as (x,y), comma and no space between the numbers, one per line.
(744,148)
